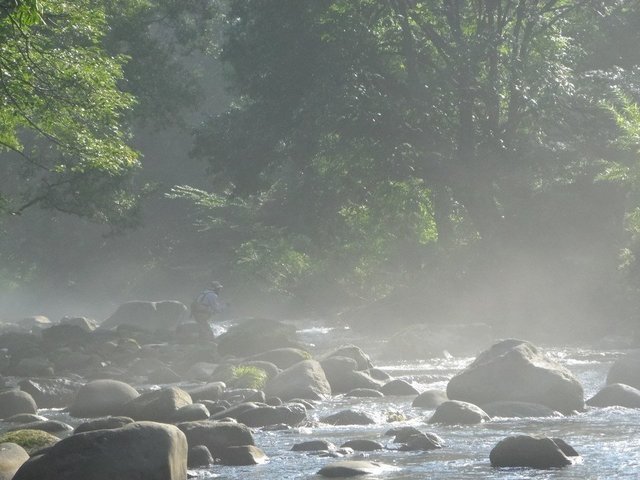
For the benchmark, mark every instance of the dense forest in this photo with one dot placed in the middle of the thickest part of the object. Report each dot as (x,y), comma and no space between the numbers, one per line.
(441,161)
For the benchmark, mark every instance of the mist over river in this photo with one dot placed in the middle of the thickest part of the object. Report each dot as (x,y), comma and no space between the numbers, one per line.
(606,438)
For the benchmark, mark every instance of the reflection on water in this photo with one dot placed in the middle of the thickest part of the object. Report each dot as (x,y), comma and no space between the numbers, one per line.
(606,438)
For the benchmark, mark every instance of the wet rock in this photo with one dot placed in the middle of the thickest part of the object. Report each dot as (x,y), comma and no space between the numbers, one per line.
(343,375)
(378,374)
(242,455)
(35,323)
(626,370)
(362,445)
(234,411)
(269,368)
(254,336)
(616,394)
(401,434)
(398,387)
(313,446)
(282,358)
(51,392)
(25,418)
(236,395)
(421,442)
(291,414)
(21,345)
(533,452)
(49,426)
(348,417)
(12,457)
(111,454)
(518,409)
(516,370)
(199,457)
(13,402)
(430,399)
(157,405)
(108,423)
(216,436)
(303,380)
(65,335)
(454,412)
(362,359)
(364,393)
(351,468)
(191,413)
(100,398)
(210,391)
(86,324)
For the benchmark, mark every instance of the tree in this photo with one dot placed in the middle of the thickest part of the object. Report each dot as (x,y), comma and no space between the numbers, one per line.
(61,121)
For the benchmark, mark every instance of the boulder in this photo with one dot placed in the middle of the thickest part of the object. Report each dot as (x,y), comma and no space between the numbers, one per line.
(362,445)
(86,324)
(348,417)
(291,414)
(626,370)
(430,399)
(343,375)
(313,446)
(156,405)
(356,353)
(24,418)
(216,436)
(242,455)
(210,391)
(149,316)
(51,392)
(616,394)
(191,413)
(364,393)
(100,398)
(420,442)
(518,409)
(12,457)
(108,423)
(256,335)
(533,452)
(351,468)
(269,368)
(49,426)
(65,335)
(148,450)
(303,380)
(13,402)
(282,358)
(516,370)
(398,387)
(199,457)
(454,412)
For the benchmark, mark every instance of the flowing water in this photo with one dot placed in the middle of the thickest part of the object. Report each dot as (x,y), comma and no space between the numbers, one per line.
(608,439)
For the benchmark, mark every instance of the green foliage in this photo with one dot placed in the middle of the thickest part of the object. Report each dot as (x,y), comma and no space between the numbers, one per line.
(248,376)
(61,118)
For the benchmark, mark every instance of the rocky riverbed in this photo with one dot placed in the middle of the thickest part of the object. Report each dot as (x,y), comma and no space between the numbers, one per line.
(272,399)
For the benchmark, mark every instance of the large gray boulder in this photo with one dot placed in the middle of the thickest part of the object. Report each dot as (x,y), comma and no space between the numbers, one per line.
(13,402)
(148,450)
(304,380)
(533,452)
(12,457)
(150,316)
(100,398)
(51,392)
(616,394)
(157,405)
(506,408)
(516,370)
(343,375)
(626,370)
(351,468)
(291,414)
(454,412)
(216,436)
